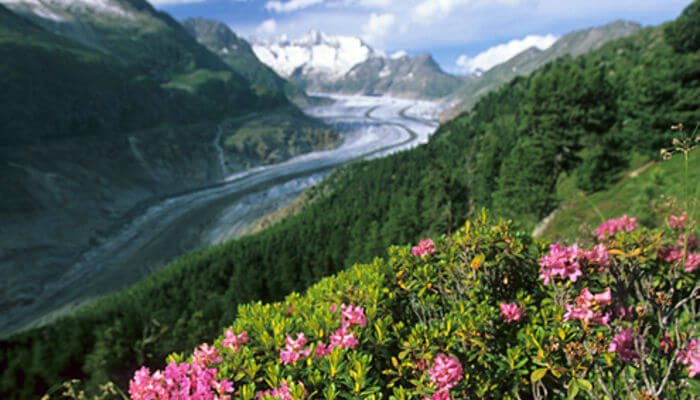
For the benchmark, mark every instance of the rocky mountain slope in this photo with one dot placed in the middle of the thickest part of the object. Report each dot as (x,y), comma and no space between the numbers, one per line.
(239,55)
(106,106)
(573,44)
(418,77)
(340,64)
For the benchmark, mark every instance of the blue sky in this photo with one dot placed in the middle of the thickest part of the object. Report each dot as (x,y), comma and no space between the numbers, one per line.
(451,30)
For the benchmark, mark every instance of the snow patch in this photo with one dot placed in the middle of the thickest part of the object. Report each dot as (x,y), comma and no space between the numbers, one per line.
(63,10)
(315,53)
(386,71)
(399,54)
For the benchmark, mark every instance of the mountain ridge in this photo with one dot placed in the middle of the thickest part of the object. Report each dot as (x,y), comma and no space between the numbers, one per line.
(574,44)
(346,65)
(238,54)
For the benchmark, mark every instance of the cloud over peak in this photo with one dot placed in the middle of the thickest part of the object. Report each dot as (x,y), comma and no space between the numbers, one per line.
(503,52)
(291,5)
(377,27)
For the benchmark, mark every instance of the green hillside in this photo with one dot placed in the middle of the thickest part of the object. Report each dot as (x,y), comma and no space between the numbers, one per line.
(129,86)
(652,192)
(583,120)
(102,111)
(83,91)
(238,54)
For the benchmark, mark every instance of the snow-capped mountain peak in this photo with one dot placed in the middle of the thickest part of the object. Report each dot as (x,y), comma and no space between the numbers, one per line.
(61,10)
(316,53)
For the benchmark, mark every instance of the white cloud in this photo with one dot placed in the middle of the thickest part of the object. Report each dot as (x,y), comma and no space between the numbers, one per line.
(291,5)
(171,2)
(267,28)
(448,28)
(383,4)
(399,54)
(503,52)
(378,26)
(430,10)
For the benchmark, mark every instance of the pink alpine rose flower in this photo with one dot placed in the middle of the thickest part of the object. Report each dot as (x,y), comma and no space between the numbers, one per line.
(322,350)
(343,338)
(206,355)
(179,381)
(234,342)
(446,372)
(352,315)
(294,349)
(561,261)
(599,256)
(283,392)
(611,227)
(424,248)
(678,222)
(511,312)
(588,307)
(624,345)
(440,395)
(690,356)
(692,262)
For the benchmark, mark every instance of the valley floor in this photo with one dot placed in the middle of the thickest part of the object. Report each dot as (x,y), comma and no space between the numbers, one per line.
(372,127)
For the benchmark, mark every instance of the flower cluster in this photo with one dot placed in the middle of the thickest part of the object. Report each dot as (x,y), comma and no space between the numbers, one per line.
(234,342)
(611,227)
(179,382)
(674,253)
(598,256)
(445,373)
(425,247)
(624,345)
(690,356)
(323,349)
(294,349)
(343,338)
(678,222)
(561,261)
(588,307)
(352,315)
(566,262)
(206,355)
(511,312)
(283,392)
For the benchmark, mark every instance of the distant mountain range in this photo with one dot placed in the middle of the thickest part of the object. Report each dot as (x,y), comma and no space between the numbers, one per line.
(319,62)
(573,44)
(342,64)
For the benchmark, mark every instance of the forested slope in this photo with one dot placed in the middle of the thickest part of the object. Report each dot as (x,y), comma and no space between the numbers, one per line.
(580,117)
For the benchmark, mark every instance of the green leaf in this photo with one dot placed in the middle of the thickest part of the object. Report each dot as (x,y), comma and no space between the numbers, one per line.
(538,374)
(573,389)
(584,384)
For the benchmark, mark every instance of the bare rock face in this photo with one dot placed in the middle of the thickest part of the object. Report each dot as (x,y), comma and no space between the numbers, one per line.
(346,65)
